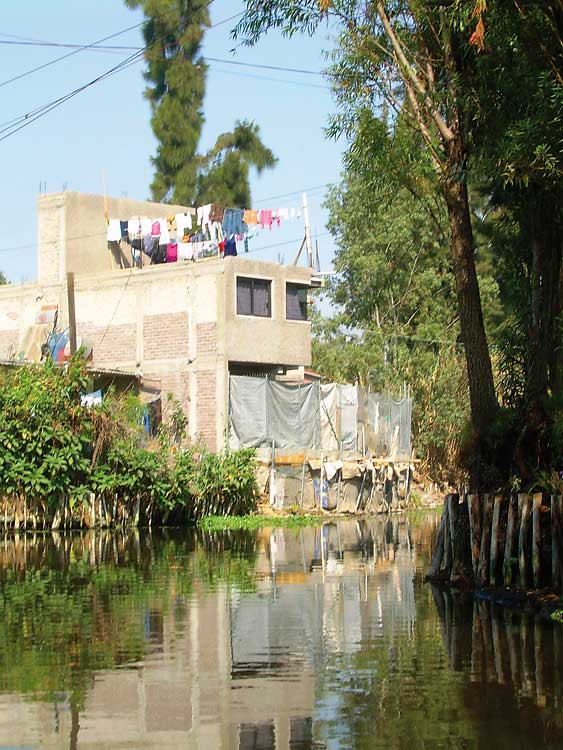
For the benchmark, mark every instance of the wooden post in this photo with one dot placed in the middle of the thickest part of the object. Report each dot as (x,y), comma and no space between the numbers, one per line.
(536,538)
(511,536)
(475,525)
(438,555)
(71,312)
(495,540)
(484,553)
(525,502)
(556,539)
(447,537)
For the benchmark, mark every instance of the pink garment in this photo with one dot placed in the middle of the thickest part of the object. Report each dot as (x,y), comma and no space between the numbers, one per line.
(155,230)
(172,252)
(265,218)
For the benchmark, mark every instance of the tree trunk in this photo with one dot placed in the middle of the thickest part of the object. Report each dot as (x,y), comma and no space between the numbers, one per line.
(479,370)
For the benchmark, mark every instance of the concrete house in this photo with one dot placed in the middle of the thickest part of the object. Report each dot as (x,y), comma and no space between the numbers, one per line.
(180,328)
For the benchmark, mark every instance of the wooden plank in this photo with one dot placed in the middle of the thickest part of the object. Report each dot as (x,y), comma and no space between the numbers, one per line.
(511,538)
(525,503)
(484,553)
(474,507)
(556,543)
(495,540)
(536,538)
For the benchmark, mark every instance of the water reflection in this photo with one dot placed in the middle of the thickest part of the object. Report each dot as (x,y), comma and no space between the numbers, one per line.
(301,639)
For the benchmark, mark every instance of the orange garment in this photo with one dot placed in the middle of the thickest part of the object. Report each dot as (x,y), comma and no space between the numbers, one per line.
(250,217)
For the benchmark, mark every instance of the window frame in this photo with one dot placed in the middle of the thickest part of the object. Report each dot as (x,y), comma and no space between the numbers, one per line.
(298,285)
(254,280)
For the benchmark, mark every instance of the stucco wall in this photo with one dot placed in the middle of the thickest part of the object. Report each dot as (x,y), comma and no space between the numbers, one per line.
(274,340)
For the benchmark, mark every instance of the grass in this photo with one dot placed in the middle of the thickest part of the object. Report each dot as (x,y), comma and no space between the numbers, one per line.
(227,523)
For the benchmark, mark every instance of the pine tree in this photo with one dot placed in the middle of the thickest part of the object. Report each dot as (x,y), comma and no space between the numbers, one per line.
(176,72)
(176,76)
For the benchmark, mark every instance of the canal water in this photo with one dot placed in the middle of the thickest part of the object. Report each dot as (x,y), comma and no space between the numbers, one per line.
(301,639)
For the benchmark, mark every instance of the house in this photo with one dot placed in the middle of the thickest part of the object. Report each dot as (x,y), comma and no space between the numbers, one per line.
(180,328)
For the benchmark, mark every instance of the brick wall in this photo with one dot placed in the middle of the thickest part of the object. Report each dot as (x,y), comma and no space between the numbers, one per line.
(206,408)
(118,344)
(206,338)
(175,383)
(165,335)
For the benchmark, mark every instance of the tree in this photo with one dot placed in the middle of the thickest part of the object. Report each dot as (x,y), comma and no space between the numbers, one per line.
(173,35)
(407,55)
(3,279)
(176,76)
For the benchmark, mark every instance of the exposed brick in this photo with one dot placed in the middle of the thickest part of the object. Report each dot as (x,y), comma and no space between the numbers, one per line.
(165,335)
(206,338)
(206,408)
(110,346)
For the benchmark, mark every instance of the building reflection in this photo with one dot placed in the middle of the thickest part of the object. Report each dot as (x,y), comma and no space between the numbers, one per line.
(226,667)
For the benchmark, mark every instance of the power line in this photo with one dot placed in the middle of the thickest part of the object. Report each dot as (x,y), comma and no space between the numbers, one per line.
(76,48)
(14,126)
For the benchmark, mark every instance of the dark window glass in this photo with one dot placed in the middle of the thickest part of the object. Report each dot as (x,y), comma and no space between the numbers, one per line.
(244,296)
(254,297)
(296,302)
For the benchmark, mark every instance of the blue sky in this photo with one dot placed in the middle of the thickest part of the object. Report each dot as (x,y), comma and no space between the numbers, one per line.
(107,126)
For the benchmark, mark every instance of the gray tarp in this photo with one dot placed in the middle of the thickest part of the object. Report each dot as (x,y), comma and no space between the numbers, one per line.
(263,412)
(390,421)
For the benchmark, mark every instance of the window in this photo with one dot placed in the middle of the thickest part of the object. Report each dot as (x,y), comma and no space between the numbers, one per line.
(296,302)
(254,297)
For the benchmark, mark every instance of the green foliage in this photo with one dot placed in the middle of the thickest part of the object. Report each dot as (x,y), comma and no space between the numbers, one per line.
(234,523)
(176,73)
(54,452)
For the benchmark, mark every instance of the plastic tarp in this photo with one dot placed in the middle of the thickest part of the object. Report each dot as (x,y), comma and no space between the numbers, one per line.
(247,412)
(390,421)
(329,423)
(263,413)
(348,417)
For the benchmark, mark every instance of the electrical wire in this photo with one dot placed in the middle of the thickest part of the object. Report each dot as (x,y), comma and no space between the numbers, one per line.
(17,124)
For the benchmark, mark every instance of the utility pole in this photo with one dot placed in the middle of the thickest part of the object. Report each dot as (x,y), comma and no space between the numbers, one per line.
(308,230)
(71,312)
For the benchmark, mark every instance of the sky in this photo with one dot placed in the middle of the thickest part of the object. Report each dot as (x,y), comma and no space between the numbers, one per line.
(106,128)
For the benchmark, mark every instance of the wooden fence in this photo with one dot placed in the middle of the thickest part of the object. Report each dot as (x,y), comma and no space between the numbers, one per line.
(498,540)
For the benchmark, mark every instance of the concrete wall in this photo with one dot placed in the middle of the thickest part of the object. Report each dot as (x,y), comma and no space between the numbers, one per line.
(72,230)
(175,324)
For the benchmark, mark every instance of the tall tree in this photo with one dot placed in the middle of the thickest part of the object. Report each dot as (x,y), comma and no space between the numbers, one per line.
(406,54)
(176,76)
(176,71)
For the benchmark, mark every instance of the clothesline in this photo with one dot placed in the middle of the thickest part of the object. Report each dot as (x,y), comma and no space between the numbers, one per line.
(209,230)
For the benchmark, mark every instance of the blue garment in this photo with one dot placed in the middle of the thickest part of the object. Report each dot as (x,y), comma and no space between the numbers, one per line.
(233,223)
(231,247)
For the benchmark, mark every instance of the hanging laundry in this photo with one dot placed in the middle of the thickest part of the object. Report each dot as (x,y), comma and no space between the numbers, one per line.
(150,244)
(183,223)
(155,229)
(283,213)
(292,213)
(172,252)
(230,247)
(146,225)
(164,234)
(123,225)
(216,212)
(114,230)
(203,213)
(185,251)
(233,221)
(250,217)
(134,227)
(265,218)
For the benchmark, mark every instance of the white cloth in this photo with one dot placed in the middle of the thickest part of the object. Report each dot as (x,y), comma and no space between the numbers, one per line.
(114,230)
(146,225)
(183,222)
(185,250)
(134,226)
(164,233)
(282,213)
(203,215)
